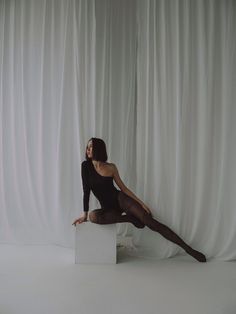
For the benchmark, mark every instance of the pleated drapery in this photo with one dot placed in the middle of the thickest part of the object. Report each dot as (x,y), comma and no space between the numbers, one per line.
(154,79)
(186,115)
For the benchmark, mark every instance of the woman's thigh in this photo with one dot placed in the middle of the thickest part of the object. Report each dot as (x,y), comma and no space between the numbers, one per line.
(131,207)
(101,215)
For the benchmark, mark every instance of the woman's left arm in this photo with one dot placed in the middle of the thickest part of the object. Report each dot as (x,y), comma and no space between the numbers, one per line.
(124,188)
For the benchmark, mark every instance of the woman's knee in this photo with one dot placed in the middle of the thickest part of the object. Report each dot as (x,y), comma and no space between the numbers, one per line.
(94,216)
(146,219)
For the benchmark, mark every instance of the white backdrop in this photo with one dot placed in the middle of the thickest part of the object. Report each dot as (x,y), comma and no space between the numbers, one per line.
(47,95)
(155,80)
(186,111)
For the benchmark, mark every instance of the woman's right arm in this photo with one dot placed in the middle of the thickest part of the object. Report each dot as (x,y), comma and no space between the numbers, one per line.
(86,195)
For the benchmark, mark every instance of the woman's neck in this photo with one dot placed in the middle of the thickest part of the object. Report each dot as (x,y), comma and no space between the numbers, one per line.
(97,163)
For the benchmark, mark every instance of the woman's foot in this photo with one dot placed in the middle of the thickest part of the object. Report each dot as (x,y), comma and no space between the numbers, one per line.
(197,255)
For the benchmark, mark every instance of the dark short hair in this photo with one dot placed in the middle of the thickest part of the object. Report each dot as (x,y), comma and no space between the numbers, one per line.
(99,149)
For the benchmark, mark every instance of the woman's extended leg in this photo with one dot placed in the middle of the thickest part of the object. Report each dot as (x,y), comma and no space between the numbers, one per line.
(103,217)
(131,206)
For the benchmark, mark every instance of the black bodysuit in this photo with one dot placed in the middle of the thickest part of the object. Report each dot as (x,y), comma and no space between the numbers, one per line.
(101,186)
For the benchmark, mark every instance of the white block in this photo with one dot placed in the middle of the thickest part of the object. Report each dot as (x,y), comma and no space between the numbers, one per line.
(95,243)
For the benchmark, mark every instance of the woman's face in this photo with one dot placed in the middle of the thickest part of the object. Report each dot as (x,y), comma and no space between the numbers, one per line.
(89,149)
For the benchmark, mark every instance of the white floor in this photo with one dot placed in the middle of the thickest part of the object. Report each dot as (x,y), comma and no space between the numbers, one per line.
(45,280)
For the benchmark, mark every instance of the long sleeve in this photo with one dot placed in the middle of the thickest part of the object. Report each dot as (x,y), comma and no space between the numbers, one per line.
(86,187)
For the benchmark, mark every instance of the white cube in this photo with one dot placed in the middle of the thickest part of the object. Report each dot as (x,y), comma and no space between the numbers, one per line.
(95,243)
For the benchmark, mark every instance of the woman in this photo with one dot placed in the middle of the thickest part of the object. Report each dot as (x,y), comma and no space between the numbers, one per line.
(98,175)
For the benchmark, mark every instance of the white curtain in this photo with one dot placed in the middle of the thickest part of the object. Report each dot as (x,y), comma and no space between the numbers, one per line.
(46,83)
(155,80)
(67,73)
(186,125)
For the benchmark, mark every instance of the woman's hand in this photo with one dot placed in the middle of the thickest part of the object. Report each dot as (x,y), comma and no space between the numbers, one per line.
(146,208)
(80,220)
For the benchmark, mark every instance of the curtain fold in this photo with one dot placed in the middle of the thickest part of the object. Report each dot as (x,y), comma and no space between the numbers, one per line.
(47,113)
(115,85)
(186,124)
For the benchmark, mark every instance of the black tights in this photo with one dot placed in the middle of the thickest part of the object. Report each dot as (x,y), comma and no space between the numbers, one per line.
(138,216)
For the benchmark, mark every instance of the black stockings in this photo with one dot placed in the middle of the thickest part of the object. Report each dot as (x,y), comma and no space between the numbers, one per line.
(138,216)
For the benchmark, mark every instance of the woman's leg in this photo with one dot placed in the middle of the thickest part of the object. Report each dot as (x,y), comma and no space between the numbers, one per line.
(131,206)
(103,217)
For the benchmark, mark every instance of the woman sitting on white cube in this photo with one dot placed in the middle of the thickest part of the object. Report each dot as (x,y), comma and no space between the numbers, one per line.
(98,175)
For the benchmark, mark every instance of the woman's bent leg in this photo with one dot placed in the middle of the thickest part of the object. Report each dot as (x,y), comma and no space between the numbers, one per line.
(101,216)
(131,206)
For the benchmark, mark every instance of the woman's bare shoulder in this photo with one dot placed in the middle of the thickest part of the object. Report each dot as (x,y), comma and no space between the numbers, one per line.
(111,166)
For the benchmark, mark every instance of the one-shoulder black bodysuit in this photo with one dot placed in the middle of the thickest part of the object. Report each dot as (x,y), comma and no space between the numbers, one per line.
(101,186)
